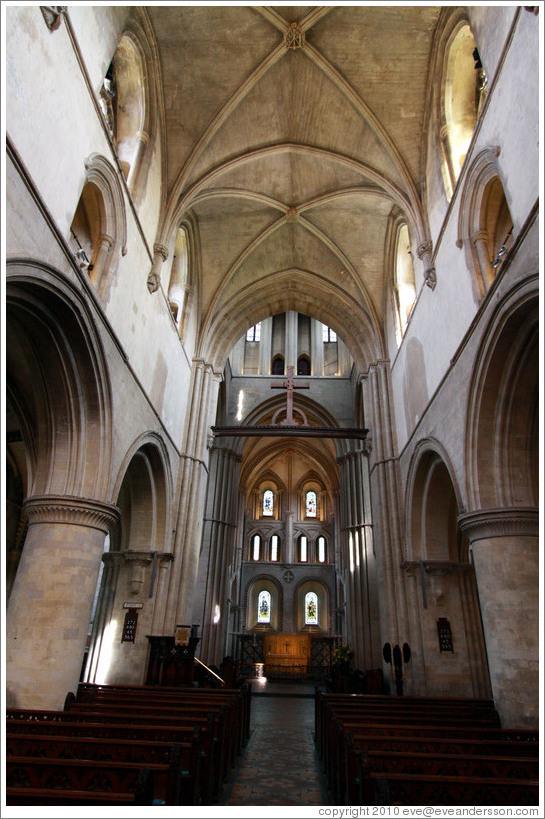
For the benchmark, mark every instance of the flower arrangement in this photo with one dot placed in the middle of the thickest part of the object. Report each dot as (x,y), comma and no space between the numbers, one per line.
(342,658)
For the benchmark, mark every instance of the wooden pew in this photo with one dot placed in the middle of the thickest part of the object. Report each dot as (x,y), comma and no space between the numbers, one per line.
(50,724)
(118,781)
(356,741)
(182,757)
(407,789)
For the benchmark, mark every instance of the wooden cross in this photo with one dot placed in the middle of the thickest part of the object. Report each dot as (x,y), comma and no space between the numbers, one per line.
(290,385)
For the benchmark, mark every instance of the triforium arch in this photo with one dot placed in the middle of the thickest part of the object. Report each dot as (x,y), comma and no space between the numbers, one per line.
(463,91)
(59,391)
(130,101)
(485,225)
(135,572)
(449,656)
(99,227)
(502,518)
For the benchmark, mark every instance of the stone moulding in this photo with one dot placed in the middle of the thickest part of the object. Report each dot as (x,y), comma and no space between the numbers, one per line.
(75,511)
(490,523)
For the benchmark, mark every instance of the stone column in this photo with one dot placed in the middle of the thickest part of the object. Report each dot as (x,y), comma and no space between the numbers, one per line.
(363,620)
(110,575)
(192,494)
(480,242)
(291,340)
(100,257)
(217,552)
(316,347)
(142,139)
(265,347)
(505,548)
(50,607)
(384,482)
(288,547)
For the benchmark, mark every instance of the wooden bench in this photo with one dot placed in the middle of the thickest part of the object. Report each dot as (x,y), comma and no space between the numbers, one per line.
(50,724)
(79,776)
(407,789)
(182,757)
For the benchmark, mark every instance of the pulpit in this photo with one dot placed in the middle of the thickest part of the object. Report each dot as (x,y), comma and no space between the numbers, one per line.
(170,663)
(286,655)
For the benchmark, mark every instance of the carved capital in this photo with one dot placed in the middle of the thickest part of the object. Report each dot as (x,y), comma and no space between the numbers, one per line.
(160,250)
(479,236)
(424,248)
(53,16)
(75,511)
(430,277)
(294,36)
(491,523)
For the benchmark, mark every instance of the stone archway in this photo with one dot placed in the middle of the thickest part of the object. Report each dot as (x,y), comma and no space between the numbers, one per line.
(57,383)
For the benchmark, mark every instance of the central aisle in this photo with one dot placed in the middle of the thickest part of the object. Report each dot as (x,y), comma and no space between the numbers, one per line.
(279,766)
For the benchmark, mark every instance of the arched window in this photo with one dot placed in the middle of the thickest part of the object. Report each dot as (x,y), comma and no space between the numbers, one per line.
(178,289)
(465,89)
(303,550)
(303,365)
(322,549)
(274,547)
(254,333)
(264,607)
(311,609)
(277,367)
(268,503)
(256,547)
(99,227)
(329,336)
(311,504)
(404,286)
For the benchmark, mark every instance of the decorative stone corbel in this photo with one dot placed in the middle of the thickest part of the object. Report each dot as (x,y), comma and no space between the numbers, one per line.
(160,255)
(424,253)
(53,16)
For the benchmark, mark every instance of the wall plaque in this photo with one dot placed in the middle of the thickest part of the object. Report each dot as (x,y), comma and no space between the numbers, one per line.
(445,635)
(129,626)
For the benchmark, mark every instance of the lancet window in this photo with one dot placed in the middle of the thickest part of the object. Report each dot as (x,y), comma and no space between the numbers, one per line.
(311,504)
(274,548)
(268,503)
(256,547)
(264,607)
(322,549)
(311,609)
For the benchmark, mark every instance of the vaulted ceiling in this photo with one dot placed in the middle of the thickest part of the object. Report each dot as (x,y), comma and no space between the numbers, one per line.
(292,159)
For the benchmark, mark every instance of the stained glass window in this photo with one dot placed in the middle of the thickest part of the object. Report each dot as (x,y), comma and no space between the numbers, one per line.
(311,609)
(268,503)
(274,547)
(303,549)
(256,543)
(254,333)
(311,504)
(322,549)
(264,607)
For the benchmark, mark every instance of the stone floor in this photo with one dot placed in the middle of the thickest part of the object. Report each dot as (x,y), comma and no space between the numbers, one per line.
(279,766)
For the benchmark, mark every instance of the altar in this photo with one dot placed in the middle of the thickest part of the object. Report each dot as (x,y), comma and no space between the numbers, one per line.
(286,655)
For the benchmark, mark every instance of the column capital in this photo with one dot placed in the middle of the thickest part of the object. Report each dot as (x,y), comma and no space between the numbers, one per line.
(76,511)
(489,523)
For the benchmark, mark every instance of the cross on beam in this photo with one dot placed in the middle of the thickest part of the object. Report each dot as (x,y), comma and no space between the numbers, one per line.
(289,385)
